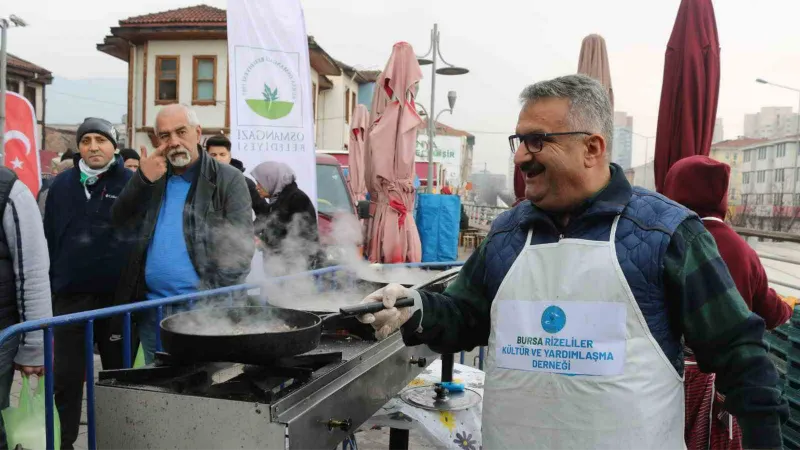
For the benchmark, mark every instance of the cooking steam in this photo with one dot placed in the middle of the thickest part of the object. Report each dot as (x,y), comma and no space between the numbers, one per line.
(294,288)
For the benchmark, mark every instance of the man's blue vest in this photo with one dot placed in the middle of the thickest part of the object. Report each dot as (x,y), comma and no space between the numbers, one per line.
(643,233)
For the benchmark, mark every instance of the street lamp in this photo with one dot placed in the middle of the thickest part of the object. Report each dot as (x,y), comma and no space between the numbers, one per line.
(11,21)
(435,54)
(763,81)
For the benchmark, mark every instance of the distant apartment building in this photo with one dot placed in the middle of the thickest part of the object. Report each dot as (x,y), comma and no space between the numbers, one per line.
(730,153)
(642,176)
(770,173)
(719,133)
(622,145)
(772,122)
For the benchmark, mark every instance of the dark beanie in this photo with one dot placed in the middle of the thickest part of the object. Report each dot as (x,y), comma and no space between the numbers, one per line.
(129,153)
(99,126)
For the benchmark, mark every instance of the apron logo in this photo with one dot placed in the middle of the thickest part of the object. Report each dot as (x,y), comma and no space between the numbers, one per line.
(553,319)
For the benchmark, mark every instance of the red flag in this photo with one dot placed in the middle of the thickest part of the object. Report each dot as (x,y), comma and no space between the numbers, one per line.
(21,145)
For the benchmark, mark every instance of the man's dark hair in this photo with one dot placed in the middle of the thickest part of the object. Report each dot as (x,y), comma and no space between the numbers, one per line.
(218,141)
(69,154)
(129,153)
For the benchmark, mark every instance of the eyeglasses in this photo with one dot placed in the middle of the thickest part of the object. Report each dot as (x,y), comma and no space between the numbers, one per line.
(534,142)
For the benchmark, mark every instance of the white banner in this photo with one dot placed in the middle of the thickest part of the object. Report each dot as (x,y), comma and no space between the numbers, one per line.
(446,151)
(270,93)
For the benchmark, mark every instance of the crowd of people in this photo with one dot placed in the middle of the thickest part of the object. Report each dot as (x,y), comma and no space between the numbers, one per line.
(116,226)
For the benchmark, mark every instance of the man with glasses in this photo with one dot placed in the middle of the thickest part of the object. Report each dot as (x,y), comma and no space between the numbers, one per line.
(584,293)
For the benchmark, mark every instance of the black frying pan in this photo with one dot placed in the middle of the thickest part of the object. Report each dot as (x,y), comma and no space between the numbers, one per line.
(180,337)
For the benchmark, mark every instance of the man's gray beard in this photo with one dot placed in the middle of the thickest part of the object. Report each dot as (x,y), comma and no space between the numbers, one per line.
(179,157)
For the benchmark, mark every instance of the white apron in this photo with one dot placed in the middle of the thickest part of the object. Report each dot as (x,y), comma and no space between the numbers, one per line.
(572,363)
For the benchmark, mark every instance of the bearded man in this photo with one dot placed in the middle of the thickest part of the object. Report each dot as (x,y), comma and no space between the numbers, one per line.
(195,216)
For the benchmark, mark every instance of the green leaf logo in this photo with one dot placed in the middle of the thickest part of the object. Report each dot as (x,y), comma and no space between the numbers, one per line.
(270,106)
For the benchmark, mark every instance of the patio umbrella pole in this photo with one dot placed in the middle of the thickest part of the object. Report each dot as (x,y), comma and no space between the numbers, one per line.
(431,120)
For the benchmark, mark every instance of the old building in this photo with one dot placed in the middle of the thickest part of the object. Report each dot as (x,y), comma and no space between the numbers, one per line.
(29,80)
(181,56)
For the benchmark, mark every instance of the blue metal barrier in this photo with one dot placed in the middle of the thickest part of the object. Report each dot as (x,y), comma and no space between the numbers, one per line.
(89,317)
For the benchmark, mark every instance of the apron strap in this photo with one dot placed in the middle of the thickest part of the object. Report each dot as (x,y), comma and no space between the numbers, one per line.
(613,230)
(529,239)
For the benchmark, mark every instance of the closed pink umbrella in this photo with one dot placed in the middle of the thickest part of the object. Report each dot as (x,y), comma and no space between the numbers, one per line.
(358,129)
(391,147)
(593,62)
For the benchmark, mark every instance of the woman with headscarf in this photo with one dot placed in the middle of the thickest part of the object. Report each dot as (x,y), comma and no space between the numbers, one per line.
(289,230)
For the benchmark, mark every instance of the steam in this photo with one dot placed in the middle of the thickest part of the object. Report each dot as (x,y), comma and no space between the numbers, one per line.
(289,257)
(228,322)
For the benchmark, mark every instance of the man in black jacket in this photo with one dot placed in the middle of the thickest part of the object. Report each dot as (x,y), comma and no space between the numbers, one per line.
(195,217)
(87,256)
(219,147)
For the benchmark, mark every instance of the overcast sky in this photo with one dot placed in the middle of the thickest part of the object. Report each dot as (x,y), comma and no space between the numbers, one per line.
(506,44)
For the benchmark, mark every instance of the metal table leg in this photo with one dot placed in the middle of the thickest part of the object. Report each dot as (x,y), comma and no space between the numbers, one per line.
(447,367)
(398,439)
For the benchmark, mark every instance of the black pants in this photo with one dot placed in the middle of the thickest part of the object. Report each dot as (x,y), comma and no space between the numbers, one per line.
(70,358)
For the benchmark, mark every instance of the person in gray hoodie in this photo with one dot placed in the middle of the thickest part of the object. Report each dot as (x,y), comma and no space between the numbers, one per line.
(24,283)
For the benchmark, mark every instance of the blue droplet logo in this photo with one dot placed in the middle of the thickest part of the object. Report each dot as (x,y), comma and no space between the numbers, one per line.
(553,319)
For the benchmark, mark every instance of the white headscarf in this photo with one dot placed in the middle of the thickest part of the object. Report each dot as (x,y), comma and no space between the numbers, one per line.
(273,176)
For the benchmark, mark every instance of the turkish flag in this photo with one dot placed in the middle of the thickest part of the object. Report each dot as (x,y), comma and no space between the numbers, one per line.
(21,143)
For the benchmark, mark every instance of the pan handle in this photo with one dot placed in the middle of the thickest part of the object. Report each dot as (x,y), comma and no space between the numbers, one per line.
(368,308)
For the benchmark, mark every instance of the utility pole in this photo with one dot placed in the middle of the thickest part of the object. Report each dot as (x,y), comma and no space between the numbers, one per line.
(5,24)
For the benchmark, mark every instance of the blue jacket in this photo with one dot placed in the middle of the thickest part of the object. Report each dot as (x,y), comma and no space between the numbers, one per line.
(87,255)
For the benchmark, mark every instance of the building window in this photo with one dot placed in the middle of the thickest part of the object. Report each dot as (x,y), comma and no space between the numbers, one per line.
(762,153)
(314,100)
(731,194)
(352,104)
(735,155)
(167,71)
(779,175)
(760,199)
(795,199)
(761,176)
(781,150)
(347,105)
(30,94)
(204,80)
(746,178)
(747,156)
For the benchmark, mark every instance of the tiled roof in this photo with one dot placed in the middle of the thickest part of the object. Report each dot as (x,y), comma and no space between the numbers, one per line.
(21,64)
(191,14)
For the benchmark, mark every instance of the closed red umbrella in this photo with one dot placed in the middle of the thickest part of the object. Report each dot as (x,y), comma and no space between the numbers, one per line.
(690,90)
(393,235)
